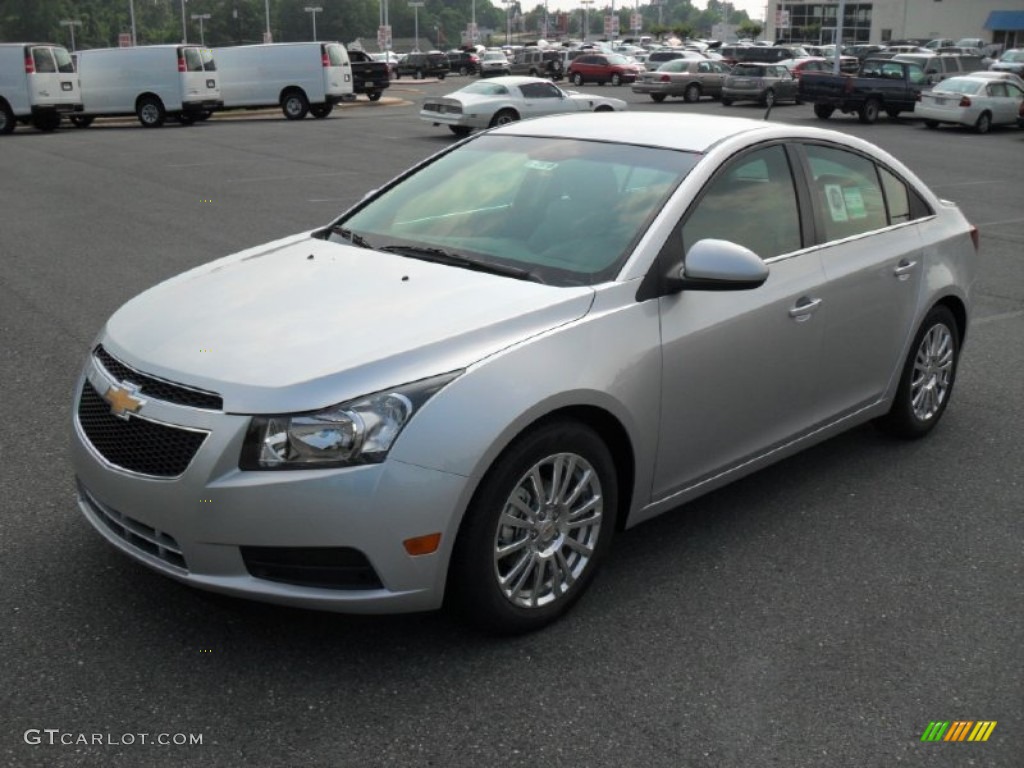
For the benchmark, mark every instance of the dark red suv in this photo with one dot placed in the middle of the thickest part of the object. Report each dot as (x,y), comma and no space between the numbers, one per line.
(602,68)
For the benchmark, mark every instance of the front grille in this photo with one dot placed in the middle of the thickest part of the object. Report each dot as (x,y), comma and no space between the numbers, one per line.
(158,389)
(149,540)
(324,567)
(137,445)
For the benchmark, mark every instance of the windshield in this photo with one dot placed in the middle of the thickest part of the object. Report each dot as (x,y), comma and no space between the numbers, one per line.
(566,211)
(617,59)
(1013,56)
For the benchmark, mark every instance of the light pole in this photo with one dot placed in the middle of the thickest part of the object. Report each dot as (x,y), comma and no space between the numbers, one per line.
(202,17)
(71,24)
(184,24)
(131,12)
(313,10)
(267,37)
(508,21)
(586,17)
(416,21)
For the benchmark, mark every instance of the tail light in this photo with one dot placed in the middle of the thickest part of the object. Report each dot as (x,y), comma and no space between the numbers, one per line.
(325,60)
(965,101)
(975,237)
(181,62)
(30,66)
(665,79)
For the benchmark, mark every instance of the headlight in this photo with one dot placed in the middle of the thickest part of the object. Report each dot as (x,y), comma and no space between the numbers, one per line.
(359,431)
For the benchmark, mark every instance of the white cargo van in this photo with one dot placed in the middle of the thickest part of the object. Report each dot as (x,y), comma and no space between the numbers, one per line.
(298,77)
(148,81)
(37,85)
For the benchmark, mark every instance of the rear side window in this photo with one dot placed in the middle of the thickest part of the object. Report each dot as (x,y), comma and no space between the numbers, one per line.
(897,199)
(847,192)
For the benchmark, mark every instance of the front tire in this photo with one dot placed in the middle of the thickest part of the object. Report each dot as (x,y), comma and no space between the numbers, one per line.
(926,383)
(150,112)
(536,530)
(504,117)
(868,113)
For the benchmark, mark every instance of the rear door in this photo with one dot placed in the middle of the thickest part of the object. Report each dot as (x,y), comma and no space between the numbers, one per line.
(337,71)
(52,81)
(197,84)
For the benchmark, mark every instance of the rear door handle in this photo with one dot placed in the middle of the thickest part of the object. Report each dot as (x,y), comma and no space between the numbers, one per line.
(804,308)
(904,268)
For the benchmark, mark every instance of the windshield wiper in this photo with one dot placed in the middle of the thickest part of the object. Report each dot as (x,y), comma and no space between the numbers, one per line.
(348,234)
(441,256)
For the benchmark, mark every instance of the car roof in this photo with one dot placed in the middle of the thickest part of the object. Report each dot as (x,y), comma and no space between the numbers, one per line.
(512,80)
(681,131)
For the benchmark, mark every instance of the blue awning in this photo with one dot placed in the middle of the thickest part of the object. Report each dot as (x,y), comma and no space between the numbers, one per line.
(1005,21)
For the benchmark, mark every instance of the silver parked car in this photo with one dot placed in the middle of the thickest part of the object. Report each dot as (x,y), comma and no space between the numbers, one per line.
(978,102)
(764,83)
(469,381)
(689,78)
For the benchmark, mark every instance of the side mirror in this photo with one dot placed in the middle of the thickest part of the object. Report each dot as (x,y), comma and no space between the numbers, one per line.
(719,265)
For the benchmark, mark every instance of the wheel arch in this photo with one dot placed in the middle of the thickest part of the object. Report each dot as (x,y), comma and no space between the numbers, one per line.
(955,305)
(291,89)
(150,95)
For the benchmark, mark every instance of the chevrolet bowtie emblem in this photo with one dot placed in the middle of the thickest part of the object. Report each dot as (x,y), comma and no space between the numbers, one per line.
(122,399)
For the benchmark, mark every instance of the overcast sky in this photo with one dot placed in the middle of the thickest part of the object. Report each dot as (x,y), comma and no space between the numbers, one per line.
(754,8)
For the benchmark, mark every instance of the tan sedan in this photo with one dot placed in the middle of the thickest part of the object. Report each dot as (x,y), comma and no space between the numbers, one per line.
(689,78)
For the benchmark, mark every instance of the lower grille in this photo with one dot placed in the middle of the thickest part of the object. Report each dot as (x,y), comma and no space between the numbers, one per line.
(137,445)
(139,536)
(324,567)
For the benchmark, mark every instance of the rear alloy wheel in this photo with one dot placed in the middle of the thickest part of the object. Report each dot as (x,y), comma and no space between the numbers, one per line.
(504,117)
(536,530)
(657,98)
(577,79)
(823,111)
(150,112)
(769,98)
(984,123)
(320,111)
(927,379)
(692,93)
(868,113)
(295,105)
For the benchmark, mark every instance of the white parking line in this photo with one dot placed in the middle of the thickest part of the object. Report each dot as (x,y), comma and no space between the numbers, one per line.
(998,223)
(973,183)
(999,317)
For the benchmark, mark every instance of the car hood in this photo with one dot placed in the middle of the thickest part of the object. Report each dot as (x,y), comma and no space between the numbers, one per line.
(302,323)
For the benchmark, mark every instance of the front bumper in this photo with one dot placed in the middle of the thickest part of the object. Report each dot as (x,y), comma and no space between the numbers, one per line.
(198,526)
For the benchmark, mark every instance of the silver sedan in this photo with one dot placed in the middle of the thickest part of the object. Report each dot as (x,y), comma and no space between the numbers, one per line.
(467,383)
(689,78)
(500,100)
(977,102)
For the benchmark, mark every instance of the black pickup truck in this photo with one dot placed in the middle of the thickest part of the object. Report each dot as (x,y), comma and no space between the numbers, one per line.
(880,84)
(368,76)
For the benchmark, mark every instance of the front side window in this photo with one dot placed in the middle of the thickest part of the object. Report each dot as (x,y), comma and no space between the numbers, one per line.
(540,91)
(753,203)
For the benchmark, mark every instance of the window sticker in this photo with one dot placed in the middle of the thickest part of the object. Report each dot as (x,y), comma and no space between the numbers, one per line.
(836,204)
(855,203)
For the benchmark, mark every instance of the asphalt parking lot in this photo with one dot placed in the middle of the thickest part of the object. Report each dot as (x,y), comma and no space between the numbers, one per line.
(819,613)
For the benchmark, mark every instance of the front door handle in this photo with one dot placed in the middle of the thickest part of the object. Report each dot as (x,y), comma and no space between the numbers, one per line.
(804,308)
(904,268)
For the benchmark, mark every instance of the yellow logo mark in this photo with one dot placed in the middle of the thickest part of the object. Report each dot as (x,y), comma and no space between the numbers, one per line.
(122,400)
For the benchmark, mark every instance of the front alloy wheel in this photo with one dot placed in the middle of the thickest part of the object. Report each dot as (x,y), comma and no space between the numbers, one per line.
(927,379)
(537,529)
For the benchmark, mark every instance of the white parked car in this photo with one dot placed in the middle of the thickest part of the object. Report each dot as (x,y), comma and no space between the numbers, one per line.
(466,384)
(978,102)
(500,100)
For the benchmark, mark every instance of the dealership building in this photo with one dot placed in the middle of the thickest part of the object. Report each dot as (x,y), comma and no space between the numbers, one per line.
(995,21)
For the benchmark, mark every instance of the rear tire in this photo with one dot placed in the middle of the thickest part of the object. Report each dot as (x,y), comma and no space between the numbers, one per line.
(295,105)
(932,124)
(984,123)
(46,121)
(7,121)
(926,383)
(657,98)
(320,111)
(616,79)
(577,79)
(692,93)
(150,112)
(823,111)
(726,101)
(374,95)
(892,113)
(460,130)
(81,121)
(186,118)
